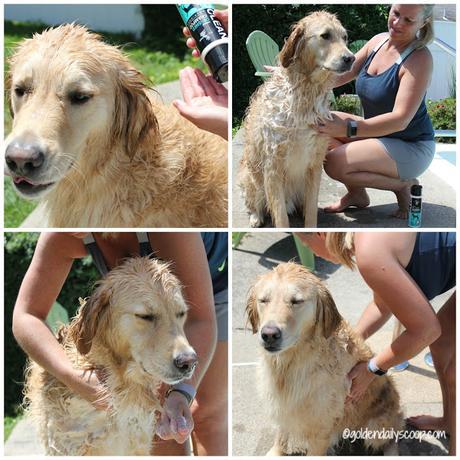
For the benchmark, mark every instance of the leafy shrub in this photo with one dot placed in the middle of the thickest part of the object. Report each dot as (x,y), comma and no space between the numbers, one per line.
(348,103)
(19,249)
(442,113)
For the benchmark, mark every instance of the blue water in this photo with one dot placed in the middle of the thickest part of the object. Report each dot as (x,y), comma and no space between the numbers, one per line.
(449,156)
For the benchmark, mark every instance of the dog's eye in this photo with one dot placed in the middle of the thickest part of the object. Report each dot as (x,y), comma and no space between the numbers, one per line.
(79,98)
(19,91)
(345,38)
(296,301)
(326,36)
(181,314)
(146,317)
(263,300)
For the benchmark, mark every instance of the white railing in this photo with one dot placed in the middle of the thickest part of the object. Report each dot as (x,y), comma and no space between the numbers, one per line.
(444,46)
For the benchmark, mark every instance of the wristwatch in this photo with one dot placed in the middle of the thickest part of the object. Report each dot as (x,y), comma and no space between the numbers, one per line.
(372,367)
(184,389)
(352,128)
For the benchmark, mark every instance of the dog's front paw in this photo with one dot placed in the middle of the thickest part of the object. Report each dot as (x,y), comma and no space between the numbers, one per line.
(255,221)
(275,451)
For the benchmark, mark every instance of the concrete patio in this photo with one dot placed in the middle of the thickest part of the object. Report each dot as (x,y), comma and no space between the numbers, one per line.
(252,430)
(439,199)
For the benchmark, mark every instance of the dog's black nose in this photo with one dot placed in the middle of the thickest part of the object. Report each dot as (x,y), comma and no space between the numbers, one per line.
(348,58)
(23,159)
(271,335)
(186,361)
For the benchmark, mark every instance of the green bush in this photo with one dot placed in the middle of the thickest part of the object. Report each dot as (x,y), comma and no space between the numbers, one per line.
(442,113)
(361,21)
(443,116)
(19,249)
(348,103)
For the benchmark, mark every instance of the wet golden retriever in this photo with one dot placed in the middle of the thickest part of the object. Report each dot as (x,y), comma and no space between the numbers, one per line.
(283,156)
(307,351)
(99,149)
(131,332)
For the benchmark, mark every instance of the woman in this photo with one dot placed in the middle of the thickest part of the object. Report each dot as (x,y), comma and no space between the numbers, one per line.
(405,271)
(394,143)
(51,263)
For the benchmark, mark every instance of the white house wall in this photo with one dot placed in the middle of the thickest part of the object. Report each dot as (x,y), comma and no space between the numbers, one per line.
(109,18)
(444,64)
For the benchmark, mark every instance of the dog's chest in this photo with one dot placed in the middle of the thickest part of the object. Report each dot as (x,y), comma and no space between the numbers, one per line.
(288,107)
(303,390)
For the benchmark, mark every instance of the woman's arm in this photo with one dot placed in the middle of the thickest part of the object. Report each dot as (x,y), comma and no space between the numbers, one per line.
(360,59)
(415,77)
(378,258)
(378,263)
(41,286)
(190,264)
(373,318)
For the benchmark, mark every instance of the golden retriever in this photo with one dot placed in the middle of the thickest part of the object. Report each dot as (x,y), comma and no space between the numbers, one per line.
(95,144)
(283,156)
(307,351)
(131,332)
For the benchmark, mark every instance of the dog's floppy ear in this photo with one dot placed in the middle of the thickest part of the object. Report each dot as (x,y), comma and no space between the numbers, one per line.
(288,52)
(327,316)
(89,316)
(134,120)
(251,310)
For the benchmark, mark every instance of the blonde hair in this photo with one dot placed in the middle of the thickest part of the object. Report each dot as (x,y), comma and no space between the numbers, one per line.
(341,245)
(426,34)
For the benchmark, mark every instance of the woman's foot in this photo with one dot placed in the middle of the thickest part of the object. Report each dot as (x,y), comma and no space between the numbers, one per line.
(359,199)
(428,423)
(403,197)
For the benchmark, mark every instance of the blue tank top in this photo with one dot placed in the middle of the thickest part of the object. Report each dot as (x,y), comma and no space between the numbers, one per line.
(378,94)
(216,245)
(432,265)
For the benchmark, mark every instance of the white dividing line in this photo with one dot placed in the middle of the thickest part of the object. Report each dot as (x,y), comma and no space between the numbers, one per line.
(442,168)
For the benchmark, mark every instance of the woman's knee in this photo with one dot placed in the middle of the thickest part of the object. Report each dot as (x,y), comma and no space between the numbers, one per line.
(334,166)
(451,377)
(210,413)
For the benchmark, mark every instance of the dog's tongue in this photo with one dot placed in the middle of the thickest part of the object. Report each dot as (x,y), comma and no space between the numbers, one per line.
(20,180)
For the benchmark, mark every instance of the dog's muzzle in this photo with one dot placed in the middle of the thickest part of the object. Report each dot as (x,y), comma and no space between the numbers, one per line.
(24,163)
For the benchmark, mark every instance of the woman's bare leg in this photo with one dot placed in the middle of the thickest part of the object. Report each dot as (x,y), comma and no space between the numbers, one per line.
(443,354)
(210,436)
(365,163)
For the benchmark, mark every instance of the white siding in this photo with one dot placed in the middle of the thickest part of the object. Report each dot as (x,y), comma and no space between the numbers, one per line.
(444,64)
(109,18)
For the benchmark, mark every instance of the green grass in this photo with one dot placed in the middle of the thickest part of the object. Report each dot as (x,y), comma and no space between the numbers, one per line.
(158,66)
(8,424)
(16,209)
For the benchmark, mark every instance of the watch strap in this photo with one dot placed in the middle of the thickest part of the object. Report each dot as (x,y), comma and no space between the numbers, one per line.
(372,367)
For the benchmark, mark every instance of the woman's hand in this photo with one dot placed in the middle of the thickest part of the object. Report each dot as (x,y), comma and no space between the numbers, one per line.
(360,378)
(221,15)
(176,420)
(337,127)
(88,385)
(205,101)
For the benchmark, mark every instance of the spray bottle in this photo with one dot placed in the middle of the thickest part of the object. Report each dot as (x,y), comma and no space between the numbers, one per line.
(415,207)
(210,37)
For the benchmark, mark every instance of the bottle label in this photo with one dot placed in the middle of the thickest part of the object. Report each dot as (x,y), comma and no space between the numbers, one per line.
(415,212)
(203,26)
